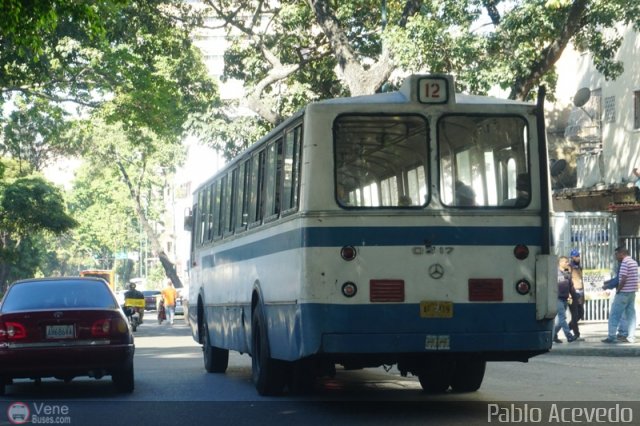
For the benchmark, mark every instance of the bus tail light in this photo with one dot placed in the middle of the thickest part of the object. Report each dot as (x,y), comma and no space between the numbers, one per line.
(521,252)
(523,287)
(349,289)
(348,253)
(485,290)
(386,290)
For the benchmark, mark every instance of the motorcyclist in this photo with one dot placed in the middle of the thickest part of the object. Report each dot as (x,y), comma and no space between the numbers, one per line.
(132,293)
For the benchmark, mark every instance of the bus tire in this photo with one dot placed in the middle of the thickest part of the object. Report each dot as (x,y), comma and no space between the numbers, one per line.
(303,376)
(436,376)
(268,374)
(216,360)
(468,375)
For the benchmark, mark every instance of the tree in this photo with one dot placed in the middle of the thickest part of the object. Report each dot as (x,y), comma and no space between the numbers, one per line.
(36,133)
(124,63)
(29,206)
(142,167)
(292,52)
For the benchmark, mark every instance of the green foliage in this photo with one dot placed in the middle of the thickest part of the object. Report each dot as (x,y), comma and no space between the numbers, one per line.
(36,132)
(30,205)
(31,209)
(288,55)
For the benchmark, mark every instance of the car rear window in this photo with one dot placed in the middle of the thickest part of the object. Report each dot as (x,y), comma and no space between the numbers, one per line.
(58,295)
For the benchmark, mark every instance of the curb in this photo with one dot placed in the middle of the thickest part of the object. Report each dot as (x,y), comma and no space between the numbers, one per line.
(596,348)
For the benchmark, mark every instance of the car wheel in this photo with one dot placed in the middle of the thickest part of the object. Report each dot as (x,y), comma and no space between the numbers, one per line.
(123,379)
(268,374)
(216,360)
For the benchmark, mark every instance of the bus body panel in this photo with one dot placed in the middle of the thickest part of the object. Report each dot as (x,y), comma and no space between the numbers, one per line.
(292,300)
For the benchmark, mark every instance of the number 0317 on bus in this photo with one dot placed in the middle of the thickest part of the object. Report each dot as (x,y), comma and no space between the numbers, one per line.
(407,228)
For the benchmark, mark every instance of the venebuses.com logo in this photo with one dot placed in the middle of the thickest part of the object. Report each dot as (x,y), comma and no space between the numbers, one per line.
(20,413)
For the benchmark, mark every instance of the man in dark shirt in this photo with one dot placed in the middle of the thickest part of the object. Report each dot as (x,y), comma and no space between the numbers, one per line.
(132,293)
(564,286)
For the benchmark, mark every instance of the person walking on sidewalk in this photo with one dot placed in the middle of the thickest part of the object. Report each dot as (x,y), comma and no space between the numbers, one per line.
(577,293)
(625,298)
(564,284)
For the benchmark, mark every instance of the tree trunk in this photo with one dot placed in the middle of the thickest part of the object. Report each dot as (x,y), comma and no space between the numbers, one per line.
(156,247)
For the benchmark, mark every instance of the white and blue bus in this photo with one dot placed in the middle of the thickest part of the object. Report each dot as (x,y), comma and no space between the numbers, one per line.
(408,228)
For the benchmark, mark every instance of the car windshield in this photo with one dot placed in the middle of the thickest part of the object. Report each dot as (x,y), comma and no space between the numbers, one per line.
(58,295)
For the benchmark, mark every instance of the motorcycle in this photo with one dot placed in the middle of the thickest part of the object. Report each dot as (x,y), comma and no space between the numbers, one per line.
(132,309)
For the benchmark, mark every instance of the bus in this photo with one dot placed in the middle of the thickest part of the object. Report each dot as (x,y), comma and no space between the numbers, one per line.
(106,274)
(409,228)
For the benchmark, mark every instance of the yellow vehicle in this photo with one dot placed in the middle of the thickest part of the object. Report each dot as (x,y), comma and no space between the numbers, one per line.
(106,274)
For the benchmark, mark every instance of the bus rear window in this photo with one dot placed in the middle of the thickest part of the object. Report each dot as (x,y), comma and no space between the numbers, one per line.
(483,161)
(381,160)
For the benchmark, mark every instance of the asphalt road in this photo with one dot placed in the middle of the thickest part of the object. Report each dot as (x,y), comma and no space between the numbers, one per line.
(172,387)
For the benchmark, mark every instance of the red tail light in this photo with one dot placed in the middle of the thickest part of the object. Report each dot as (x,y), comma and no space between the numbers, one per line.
(386,290)
(485,290)
(101,328)
(12,331)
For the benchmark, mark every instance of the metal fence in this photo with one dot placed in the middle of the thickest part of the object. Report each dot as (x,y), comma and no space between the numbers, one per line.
(595,235)
(632,244)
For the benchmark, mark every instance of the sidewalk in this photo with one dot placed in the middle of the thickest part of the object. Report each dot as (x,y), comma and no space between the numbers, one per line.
(593,333)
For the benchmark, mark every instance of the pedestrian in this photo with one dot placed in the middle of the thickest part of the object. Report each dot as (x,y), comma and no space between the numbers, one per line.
(577,293)
(623,327)
(625,298)
(169,294)
(564,285)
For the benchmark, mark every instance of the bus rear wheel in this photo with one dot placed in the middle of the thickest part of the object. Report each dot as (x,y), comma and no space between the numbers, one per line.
(468,375)
(268,374)
(216,360)
(435,377)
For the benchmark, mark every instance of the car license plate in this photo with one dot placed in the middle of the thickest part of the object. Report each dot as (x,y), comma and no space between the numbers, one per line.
(60,331)
(431,309)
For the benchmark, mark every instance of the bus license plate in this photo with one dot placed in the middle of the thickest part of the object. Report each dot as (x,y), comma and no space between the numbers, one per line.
(60,331)
(429,309)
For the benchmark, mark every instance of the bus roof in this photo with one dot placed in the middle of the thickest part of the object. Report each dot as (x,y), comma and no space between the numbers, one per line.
(408,93)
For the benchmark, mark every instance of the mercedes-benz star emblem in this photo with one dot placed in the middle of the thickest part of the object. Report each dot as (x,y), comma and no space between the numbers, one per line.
(436,271)
(58,314)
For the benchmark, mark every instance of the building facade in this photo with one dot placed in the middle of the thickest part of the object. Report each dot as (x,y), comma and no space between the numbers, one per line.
(594,135)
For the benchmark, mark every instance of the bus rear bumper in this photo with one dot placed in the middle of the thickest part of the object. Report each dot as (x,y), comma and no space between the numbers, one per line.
(494,346)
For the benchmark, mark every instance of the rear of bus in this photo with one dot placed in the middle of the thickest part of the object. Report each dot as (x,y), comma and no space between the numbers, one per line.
(106,274)
(427,239)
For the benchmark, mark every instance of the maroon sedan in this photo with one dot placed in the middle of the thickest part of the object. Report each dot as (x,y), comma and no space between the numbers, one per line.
(64,328)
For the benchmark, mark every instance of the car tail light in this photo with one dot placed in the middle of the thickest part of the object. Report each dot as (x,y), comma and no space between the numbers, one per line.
(386,290)
(11,330)
(101,327)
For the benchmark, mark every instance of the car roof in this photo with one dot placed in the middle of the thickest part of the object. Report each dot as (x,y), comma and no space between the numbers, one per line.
(60,279)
